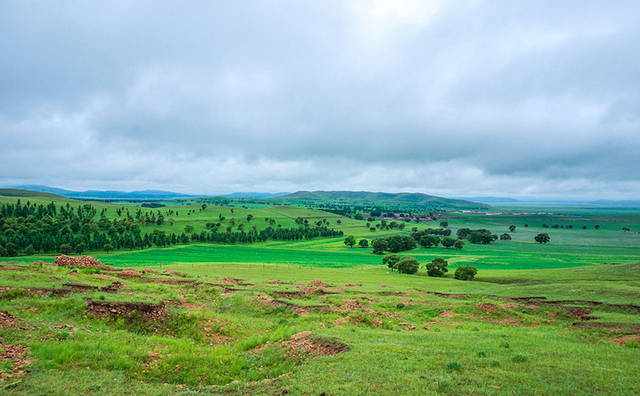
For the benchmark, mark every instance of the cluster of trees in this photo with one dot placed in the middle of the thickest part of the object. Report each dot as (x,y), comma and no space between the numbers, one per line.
(480,236)
(394,244)
(437,267)
(27,228)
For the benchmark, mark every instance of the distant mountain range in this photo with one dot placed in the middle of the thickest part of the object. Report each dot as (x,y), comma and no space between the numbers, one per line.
(391,200)
(144,195)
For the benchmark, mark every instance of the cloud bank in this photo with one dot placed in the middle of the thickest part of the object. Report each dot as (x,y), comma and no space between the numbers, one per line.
(465,98)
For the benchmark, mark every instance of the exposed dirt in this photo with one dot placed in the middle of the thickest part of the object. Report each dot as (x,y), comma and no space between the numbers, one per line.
(10,268)
(17,357)
(79,287)
(129,273)
(627,339)
(80,262)
(114,310)
(487,308)
(446,314)
(278,282)
(537,301)
(580,313)
(350,306)
(449,295)
(7,320)
(305,343)
(235,282)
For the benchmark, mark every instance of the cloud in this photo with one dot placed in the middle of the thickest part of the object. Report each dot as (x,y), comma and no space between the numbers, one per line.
(534,98)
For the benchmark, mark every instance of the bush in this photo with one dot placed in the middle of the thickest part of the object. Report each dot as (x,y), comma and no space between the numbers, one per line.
(437,267)
(350,240)
(398,243)
(429,240)
(407,265)
(390,260)
(542,238)
(459,244)
(379,246)
(448,242)
(505,237)
(465,273)
(364,243)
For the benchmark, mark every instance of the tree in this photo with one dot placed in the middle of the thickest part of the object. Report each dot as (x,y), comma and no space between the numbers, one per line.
(379,246)
(437,267)
(390,260)
(512,228)
(444,224)
(428,241)
(459,244)
(597,226)
(407,265)
(505,237)
(350,241)
(448,242)
(542,238)
(363,243)
(465,273)
(188,229)
(249,217)
(65,248)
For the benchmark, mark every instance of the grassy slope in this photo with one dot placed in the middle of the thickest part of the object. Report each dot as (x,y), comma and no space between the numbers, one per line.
(215,342)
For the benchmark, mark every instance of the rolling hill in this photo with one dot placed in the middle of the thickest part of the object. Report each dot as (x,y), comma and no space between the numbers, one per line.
(16,192)
(414,201)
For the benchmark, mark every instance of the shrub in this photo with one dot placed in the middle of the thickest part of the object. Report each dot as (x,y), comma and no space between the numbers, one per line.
(390,260)
(429,240)
(465,273)
(398,243)
(542,238)
(448,242)
(407,265)
(505,237)
(379,246)
(459,244)
(437,267)
(350,240)
(364,243)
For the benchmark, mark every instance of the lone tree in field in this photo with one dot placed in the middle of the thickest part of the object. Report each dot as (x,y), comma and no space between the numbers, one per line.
(505,237)
(364,243)
(407,265)
(459,244)
(512,228)
(350,241)
(437,267)
(543,238)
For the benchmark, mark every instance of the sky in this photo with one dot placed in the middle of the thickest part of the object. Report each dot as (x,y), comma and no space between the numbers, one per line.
(528,98)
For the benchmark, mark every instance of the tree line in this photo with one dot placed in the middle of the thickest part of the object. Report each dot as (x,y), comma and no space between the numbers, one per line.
(27,228)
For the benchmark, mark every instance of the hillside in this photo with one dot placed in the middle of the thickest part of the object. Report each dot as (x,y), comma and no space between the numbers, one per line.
(404,201)
(16,192)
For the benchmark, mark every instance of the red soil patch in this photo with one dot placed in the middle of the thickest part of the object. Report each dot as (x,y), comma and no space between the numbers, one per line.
(446,314)
(16,356)
(487,308)
(580,313)
(146,311)
(305,343)
(627,339)
(349,306)
(80,262)
(129,273)
(7,320)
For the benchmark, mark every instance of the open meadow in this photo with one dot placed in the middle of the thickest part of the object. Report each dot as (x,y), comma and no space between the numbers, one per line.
(314,316)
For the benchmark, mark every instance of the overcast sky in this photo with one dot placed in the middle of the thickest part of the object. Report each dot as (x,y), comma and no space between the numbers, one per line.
(455,98)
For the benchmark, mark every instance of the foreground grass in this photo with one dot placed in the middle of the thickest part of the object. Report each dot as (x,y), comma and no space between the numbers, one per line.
(227,327)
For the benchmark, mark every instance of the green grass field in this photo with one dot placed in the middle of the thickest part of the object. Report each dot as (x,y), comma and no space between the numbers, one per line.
(317,317)
(228,328)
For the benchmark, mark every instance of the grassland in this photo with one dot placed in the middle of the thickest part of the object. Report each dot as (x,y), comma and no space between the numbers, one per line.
(314,316)
(228,328)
